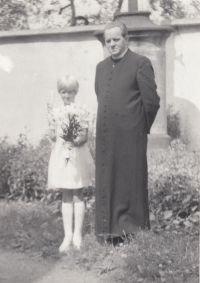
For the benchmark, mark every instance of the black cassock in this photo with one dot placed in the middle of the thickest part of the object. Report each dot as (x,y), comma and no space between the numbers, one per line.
(127,106)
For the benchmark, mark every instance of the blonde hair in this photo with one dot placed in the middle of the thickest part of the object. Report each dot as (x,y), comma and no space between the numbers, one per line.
(68,83)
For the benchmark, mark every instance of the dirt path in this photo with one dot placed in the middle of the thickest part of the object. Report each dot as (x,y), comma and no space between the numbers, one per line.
(24,268)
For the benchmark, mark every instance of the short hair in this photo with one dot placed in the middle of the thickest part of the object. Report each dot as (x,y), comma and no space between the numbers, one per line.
(68,83)
(118,24)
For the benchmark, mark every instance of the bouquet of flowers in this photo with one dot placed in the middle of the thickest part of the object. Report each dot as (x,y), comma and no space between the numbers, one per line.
(70,131)
(67,122)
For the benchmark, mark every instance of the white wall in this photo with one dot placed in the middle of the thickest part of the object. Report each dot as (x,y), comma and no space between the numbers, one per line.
(32,61)
(183,75)
(36,63)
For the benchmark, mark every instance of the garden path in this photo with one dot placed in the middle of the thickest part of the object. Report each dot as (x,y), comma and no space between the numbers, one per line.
(18,267)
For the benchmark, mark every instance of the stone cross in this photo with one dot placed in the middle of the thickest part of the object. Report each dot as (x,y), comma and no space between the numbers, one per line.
(138,5)
(132,5)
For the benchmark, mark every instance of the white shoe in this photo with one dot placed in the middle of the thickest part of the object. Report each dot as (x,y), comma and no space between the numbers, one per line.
(64,247)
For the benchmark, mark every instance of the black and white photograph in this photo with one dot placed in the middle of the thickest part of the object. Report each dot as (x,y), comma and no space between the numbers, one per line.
(99,141)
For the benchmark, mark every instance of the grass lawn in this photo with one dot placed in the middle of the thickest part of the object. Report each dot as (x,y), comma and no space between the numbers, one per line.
(166,256)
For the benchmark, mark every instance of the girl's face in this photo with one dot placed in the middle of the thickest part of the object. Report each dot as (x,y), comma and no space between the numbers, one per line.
(67,96)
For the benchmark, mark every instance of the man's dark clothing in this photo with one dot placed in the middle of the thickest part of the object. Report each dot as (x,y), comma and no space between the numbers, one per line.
(127,106)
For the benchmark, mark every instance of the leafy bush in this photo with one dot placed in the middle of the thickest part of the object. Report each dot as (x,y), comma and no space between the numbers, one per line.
(173,122)
(174,178)
(23,169)
(174,182)
(176,128)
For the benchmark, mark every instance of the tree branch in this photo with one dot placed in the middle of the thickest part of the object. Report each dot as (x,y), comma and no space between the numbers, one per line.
(61,9)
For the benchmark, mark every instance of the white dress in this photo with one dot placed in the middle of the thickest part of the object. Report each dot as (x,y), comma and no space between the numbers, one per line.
(78,171)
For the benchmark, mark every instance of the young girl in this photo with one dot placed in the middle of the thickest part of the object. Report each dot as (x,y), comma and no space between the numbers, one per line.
(71,166)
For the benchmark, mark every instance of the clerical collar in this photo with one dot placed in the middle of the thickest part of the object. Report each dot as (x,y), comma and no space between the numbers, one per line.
(120,56)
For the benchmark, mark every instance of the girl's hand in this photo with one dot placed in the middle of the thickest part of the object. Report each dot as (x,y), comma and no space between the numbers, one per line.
(82,138)
(70,145)
(52,135)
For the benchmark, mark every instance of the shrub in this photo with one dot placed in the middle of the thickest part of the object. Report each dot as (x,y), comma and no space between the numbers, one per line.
(174,182)
(173,122)
(176,128)
(23,169)
(174,178)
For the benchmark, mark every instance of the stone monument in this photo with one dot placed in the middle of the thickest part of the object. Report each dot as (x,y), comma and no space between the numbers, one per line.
(147,38)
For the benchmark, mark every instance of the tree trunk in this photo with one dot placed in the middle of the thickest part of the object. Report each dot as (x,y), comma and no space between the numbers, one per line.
(119,5)
(73,18)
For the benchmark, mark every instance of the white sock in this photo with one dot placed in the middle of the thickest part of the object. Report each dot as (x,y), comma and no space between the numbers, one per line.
(79,211)
(67,214)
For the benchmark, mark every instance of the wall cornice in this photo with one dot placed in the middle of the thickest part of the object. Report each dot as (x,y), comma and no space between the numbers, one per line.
(185,22)
(57,31)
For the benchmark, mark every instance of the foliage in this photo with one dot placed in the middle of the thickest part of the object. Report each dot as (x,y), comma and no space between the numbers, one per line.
(176,128)
(71,131)
(170,8)
(149,257)
(23,169)
(176,9)
(38,14)
(163,258)
(34,226)
(174,182)
(167,253)
(173,123)
(32,14)
(174,178)
(12,14)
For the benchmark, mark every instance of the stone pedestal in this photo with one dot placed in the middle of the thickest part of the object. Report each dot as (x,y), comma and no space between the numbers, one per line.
(148,39)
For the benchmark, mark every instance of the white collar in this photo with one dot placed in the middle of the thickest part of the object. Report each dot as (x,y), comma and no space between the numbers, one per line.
(121,55)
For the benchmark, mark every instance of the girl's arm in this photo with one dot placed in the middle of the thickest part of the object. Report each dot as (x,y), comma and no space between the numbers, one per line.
(82,138)
(52,135)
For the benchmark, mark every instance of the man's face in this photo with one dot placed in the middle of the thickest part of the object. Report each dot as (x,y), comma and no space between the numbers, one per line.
(115,42)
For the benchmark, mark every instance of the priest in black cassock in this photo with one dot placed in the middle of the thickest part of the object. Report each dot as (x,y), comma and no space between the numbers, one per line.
(127,106)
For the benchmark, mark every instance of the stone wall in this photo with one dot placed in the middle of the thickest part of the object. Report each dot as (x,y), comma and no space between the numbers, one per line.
(182,76)
(32,61)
